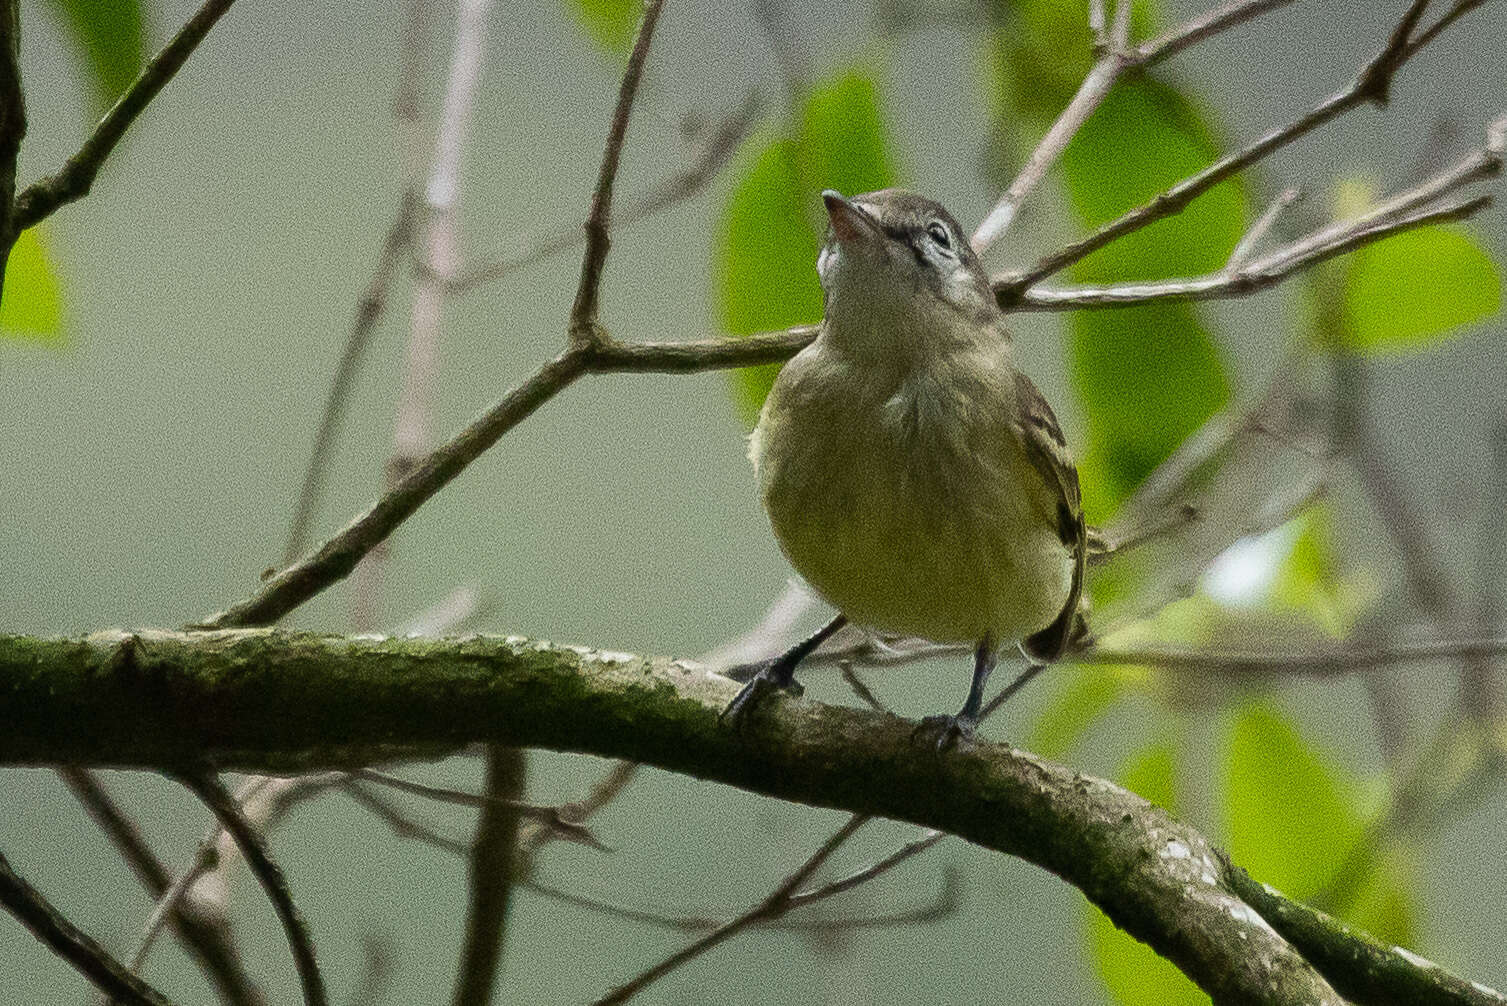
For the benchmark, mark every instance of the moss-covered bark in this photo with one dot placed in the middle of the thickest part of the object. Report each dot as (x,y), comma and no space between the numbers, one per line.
(271,701)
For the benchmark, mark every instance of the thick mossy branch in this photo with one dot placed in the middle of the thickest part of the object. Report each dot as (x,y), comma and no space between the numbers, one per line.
(265,700)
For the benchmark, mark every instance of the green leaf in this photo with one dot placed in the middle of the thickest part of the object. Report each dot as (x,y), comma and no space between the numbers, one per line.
(842,142)
(1414,288)
(610,23)
(766,258)
(1292,819)
(30,307)
(1147,376)
(1132,972)
(109,36)
(1291,815)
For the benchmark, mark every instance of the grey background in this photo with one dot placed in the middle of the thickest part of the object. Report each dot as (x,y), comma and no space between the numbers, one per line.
(208,283)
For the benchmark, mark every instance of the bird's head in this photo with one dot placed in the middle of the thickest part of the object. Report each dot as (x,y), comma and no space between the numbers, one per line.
(898,272)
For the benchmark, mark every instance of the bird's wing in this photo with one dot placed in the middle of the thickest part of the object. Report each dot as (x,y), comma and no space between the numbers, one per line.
(1047,450)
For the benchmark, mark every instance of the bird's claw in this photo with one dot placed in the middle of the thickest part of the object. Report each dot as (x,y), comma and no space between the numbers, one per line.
(948,730)
(771,677)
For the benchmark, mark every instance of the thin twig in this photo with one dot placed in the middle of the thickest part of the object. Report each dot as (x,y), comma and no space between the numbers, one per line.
(773,906)
(373,303)
(401,824)
(1197,29)
(76,176)
(206,935)
(1114,59)
(1369,86)
(868,873)
(853,681)
(606,789)
(583,313)
(1316,663)
(438,244)
(553,818)
(369,310)
(715,152)
(1245,248)
(217,798)
(206,858)
(72,944)
(336,558)
(1265,272)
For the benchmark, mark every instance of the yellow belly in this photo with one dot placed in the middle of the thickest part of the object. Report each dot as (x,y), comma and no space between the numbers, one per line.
(912,518)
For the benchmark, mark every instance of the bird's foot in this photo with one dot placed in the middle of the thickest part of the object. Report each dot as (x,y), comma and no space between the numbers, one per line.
(765,677)
(948,731)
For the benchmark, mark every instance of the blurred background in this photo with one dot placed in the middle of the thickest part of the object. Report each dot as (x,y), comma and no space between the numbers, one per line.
(167,344)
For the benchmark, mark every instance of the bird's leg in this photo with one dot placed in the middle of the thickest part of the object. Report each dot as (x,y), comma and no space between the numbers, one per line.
(951,729)
(766,676)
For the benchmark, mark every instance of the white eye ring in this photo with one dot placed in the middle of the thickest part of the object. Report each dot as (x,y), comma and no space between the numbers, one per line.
(938,232)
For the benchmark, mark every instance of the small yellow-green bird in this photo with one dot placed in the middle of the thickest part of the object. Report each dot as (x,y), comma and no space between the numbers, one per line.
(914,477)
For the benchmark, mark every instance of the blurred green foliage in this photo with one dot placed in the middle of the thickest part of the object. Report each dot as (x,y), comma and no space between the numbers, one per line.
(110,36)
(771,231)
(610,23)
(31,307)
(1132,973)
(1413,288)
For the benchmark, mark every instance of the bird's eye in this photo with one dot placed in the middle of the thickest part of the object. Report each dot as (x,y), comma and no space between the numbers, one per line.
(938,231)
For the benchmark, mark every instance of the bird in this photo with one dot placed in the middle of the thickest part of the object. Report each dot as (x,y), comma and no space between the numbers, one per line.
(913,477)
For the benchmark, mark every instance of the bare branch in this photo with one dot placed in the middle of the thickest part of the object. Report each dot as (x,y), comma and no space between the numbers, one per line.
(206,936)
(76,176)
(715,152)
(490,887)
(1369,86)
(1115,58)
(217,798)
(82,702)
(554,818)
(369,310)
(583,313)
(1246,247)
(775,905)
(1212,22)
(1313,663)
(71,943)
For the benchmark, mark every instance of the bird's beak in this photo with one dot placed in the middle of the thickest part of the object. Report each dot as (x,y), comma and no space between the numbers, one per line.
(849,221)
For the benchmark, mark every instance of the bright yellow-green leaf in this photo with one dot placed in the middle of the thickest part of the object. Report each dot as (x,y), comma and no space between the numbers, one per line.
(30,307)
(1291,815)
(610,23)
(108,34)
(1412,289)
(766,259)
(1133,973)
